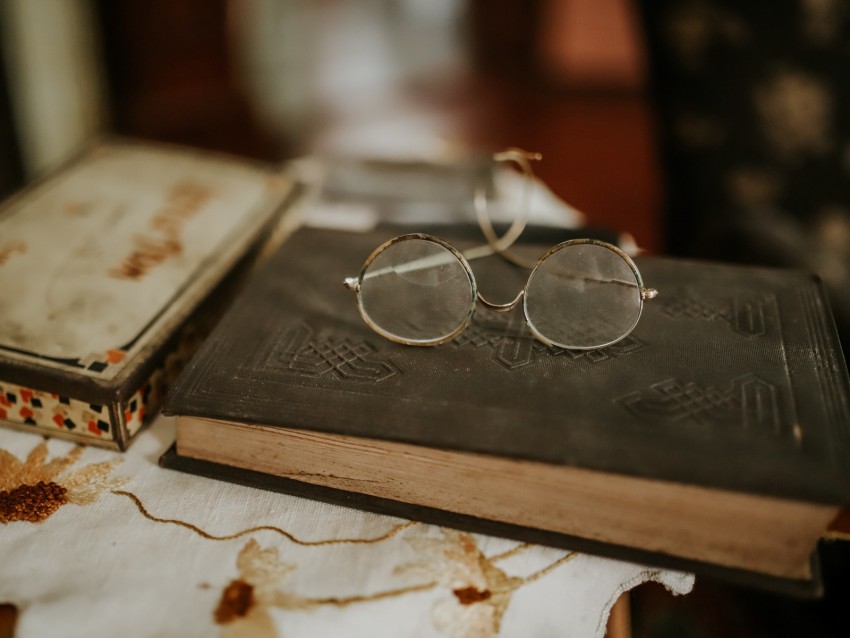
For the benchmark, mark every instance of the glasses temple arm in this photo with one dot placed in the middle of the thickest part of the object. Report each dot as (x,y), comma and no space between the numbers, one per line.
(502,244)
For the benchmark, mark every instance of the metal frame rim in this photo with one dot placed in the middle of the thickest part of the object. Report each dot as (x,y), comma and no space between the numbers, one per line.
(421,342)
(577,242)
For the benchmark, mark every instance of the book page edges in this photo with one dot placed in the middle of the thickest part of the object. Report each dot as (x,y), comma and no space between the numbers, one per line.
(744,531)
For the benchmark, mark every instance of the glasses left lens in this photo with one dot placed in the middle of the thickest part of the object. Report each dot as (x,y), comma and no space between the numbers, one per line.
(416,290)
(583,295)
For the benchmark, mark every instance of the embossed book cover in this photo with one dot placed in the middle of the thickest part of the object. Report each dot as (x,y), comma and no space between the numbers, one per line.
(715,437)
(101,265)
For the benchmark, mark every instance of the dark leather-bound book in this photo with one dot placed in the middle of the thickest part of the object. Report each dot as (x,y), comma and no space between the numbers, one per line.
(714,438)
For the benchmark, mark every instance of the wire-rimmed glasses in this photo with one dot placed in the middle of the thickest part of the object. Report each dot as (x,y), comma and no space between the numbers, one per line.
(582,294)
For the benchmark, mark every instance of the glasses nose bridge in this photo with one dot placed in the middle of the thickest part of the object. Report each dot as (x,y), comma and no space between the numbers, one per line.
(501,307)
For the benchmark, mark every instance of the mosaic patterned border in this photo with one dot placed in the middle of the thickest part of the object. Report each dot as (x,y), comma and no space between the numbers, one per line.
(57,415)
(54,412)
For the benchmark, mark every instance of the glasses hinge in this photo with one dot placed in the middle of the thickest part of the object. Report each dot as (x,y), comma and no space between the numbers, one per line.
(352,283)
(648,293)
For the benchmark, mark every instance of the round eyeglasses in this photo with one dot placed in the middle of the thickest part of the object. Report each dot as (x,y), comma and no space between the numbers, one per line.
(419,290)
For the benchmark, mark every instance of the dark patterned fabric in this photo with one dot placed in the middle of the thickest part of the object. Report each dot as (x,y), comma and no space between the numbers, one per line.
(753,112)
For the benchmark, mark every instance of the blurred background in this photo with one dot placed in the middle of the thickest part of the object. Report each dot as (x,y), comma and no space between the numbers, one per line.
(275,79)
(706,128)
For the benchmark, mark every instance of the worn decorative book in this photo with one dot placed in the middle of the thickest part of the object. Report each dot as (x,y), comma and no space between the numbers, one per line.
(714,438)
(102,266)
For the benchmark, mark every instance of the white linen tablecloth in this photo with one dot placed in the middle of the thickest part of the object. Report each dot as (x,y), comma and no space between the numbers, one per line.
(99,543)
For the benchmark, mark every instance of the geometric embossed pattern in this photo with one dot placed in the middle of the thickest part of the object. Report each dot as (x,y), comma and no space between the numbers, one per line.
(747,401)
(514,347)
(302,352)
(693,308)
(626,346)
(745,315)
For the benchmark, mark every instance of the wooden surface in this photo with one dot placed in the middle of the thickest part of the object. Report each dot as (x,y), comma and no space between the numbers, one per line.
(620,618)
(8,618)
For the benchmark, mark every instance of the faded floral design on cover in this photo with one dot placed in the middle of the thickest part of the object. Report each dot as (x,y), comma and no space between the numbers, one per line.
(141,239)
(155,552)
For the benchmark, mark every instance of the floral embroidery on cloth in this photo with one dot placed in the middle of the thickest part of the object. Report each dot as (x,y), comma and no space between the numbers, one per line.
(245,602)
(34,489)
(480,591)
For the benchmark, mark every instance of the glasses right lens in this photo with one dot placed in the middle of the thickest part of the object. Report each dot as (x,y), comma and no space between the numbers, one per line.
(583,295)
(416,290)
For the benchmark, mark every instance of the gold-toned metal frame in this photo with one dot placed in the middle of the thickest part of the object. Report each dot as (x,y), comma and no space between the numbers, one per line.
(644,293)
(356,283)
(501,245)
